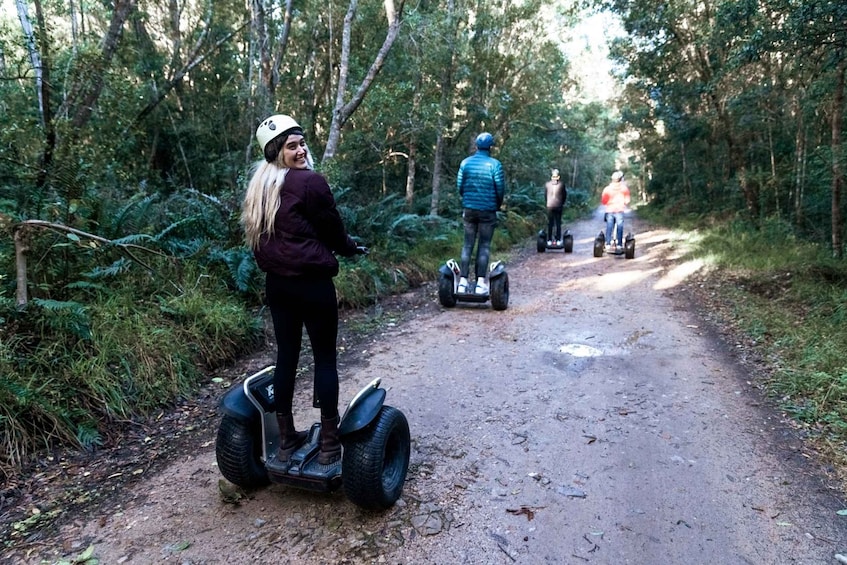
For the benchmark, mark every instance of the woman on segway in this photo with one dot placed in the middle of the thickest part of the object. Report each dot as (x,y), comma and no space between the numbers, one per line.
(615,198)
(293,227)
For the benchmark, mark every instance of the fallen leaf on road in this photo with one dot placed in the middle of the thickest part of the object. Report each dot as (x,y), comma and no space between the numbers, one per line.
(527,511)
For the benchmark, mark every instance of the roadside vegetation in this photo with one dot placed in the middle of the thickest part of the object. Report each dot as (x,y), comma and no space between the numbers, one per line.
(785,298)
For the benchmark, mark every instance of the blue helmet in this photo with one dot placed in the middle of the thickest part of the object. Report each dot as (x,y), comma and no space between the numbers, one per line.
(484,140)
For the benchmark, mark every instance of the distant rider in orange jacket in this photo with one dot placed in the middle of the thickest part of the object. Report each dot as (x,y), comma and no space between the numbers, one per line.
(615,198)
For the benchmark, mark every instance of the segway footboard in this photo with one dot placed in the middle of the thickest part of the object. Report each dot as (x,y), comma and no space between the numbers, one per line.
(303,470)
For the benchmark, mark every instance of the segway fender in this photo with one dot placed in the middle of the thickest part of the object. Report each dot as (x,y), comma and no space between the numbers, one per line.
(236,404)
(254,396)
(498,269)
(362,410)
(445,270)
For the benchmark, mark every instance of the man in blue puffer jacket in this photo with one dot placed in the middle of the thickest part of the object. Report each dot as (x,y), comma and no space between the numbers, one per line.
(482,185)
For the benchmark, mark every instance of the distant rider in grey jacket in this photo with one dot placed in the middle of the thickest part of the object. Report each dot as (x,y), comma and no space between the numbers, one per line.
(482,186)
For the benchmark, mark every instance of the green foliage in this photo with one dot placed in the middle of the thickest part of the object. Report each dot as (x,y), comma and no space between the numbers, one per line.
(788,297)
(53,316)
(745,124)
(70,369)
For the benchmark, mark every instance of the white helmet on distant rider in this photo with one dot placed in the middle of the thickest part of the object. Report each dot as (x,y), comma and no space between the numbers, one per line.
(617,176)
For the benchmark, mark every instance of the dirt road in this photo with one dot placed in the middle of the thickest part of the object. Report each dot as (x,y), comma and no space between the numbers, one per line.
(597,420)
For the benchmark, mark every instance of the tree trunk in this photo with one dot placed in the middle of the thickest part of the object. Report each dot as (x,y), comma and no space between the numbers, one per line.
(34,55)
(342,111)
(410,173)
(38,56)
(444,108)
(21,297)
(799,165)
(84,96)
(837,168)
(45,100)
(281,46)
(574,171)
(263,40)
(436,172)
(685,176)
(194,59)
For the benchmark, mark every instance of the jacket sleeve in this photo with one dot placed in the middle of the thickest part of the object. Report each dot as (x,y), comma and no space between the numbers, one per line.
(604,198)
(460,179)
(326,219)
(499,184)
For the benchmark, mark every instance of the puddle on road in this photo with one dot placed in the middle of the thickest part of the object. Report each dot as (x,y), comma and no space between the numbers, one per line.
(580,350)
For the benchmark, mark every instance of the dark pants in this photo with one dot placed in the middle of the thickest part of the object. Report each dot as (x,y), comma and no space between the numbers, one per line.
(554,221)
(477,223)
(296,302)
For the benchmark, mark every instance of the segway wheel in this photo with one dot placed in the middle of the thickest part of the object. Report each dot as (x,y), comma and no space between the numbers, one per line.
(629,247)
(376,460)
(239,453)
(445,292)
(541,243)
(568,243)
(599,244)
(499,292)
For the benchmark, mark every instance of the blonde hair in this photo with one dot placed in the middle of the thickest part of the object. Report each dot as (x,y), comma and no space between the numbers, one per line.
(261,202)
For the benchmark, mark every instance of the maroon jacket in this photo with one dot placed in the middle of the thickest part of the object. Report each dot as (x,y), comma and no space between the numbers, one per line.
(307,230)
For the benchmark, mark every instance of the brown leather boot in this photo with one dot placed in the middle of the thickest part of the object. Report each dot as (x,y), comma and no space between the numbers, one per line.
(289,438)
(330,441)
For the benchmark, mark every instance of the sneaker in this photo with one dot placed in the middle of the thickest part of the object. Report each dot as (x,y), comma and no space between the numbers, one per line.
(549,242)
(481,287)
(463,285)
(608,247)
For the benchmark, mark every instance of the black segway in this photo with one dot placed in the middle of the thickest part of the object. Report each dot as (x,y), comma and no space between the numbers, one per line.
(628,250)
(498,286)
(374,437)
(566,243)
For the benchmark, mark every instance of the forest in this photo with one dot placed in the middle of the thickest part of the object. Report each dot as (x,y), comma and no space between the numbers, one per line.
(128,136)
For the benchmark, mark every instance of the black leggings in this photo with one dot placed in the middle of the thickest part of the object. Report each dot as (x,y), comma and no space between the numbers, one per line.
(295,302)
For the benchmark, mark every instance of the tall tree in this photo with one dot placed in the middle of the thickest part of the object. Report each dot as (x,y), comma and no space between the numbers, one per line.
(344,108)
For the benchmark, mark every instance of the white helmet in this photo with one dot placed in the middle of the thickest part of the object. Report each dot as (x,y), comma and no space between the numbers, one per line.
(617,175)
(274,126)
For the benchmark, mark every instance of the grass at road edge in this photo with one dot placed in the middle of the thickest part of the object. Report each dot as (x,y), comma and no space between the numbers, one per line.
(787,300)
